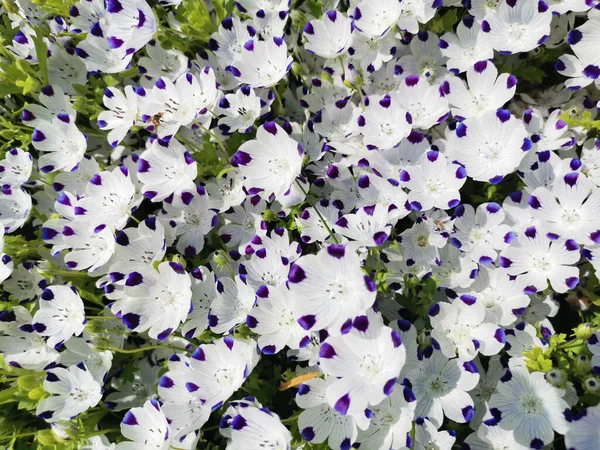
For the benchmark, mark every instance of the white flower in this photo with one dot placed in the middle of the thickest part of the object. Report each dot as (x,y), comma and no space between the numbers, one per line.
(74,391)
(459,327)
(63,144)
(569,208)
(166,168)
(271,162)
(486,90)
(481,234)
(385,122)
(490,146)
(539,259)
(441,386)
(333,289)
(518,26)
(240,109)
(329,37)
(147,427)
(468,46)
(262,63)
(254,428)
(527,404)
(96,361)
(155,301)
(375,18)
(233,302)
(60,316)
(366,361)
(421,242)
(425,103)
(122,113)
(273,319)
(15,169)
(319,422)
(427,436)
(583,433)
(433,183)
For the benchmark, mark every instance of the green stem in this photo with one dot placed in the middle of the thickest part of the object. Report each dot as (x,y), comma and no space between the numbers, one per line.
(68,273)
(280,107)
(215,137)
(101,318)
(318,212)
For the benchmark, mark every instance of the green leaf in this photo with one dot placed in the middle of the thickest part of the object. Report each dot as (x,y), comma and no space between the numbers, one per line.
(41,52)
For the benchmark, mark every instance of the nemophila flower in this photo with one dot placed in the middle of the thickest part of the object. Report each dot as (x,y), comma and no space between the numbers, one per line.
(330,36)
(25,283)
(60,315)
(425,59)
(192,218)
(319,422)
(136,249)
(203,294)
(487,91)
(122,112)
(421,242)
(278,242)
(433,183)
(441,386)
(65,68)
(75,182)
(62,143)
(271,162)
(582,433)
(538,259)
(481,234)
(389,163)
(15,206)
(372,52)
(262,63)
(569,208)
(98,443)
(109,199)
(54,103)
(161,62)
(252,7)
(593,344)
(370,226)
(232,304)
(228,41)
(156,301)
(273,319)
(264,269)
(527,404)
(147,427)
(243,223)
(85,13)
(256,428)
(15,168)
(132,392)
(375,19)
(79,351)
(74,391)
(492,436)
(20,344)
(583,68)
(489,146)
(366,360)
(90,246)
(391,421)
(502,297)
(460,327)
(225,192)
(518,26)
(166,168)
(181,102)
(414,12)
(427,436)
(425,103)
(468,46)
(387,194)
(333,289)
(240,109)
(131,24)
(98,56)
(312,224)
(217,370)
(453,270)
(555,135)
(521,339)
(385,122)
(270,24)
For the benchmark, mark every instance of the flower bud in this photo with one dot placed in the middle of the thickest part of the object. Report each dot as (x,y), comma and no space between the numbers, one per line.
(557,378)
(591,384)
(583,331)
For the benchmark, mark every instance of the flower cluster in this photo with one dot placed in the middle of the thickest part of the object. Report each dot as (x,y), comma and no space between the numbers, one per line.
(268,224)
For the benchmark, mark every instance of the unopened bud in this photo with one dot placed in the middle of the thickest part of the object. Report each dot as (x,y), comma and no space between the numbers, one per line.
(591,384)
(556,378)
(583,331)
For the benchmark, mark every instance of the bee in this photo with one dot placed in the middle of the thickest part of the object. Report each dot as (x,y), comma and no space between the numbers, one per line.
(156,120)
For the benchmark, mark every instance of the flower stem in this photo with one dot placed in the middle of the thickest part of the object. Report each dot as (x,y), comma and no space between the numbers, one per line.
(318,212)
